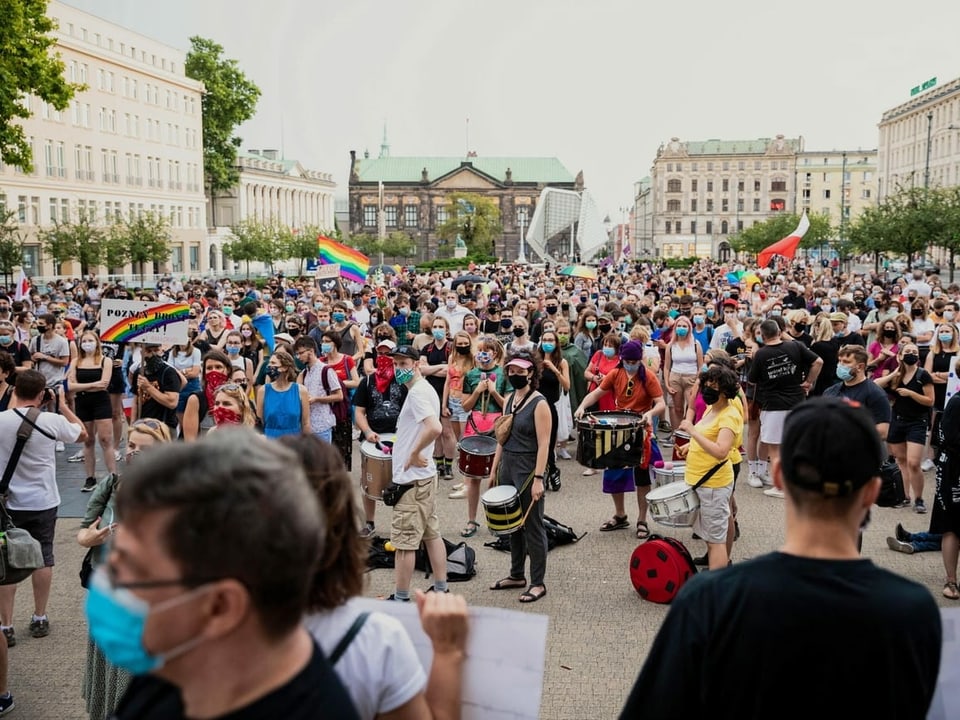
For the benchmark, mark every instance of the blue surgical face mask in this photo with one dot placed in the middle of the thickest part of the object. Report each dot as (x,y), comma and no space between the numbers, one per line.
(609,352)
(339,317)
(682,331)
(118,619)
(711,312)
(440,334)
(673,313)
(326,348)
(946,338)
(704,368)
(233,350)
(548,347)
(631,367)
(759,339)
(844,373)
(403,375)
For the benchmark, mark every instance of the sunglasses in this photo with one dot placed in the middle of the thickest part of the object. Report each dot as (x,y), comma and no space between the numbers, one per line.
(629,390)
(147,422)
(232,386)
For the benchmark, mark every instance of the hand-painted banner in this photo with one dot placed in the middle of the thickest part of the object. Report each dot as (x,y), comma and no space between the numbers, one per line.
(135,321)
(328,271)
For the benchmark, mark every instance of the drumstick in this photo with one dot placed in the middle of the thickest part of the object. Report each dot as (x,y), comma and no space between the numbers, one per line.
(523,521)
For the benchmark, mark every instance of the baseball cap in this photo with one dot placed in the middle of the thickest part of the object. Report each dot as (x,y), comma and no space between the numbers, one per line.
(839,317)
(631,350)
(730,303)
(830,445)
(387,343)
(407,351)
(520,363)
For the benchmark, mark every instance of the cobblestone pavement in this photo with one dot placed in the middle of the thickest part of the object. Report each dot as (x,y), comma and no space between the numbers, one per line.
(599,631)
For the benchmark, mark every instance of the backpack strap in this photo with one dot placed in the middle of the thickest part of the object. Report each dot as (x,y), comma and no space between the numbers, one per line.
(27,426)
(345,641)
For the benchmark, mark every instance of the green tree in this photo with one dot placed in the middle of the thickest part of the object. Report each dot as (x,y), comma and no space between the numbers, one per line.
(81,241)
(229,99)
(140,239)
(11,246)
(950,212)
(905,223)
(763,234)
(300,245)
(252,241)
(397,244)
(475,219)
(27,67)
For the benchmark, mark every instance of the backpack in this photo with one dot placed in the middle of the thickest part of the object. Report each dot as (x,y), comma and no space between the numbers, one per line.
(341,409)
(461,561)
(659,567)
(557,534)
(891,487)
(378,556)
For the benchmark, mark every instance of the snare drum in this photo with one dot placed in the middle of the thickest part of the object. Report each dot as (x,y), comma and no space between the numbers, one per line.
(476,455)
(674,505)
(680,438)
(668,473)
(609,440)
(501,505)
(376,466)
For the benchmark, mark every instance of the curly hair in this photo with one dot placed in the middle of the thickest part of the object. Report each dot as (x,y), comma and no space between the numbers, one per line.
(724,378)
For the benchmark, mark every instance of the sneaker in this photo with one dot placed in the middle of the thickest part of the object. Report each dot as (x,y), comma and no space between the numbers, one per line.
(899,546)
(927,465)
(39,627)
(76,458)
(367,530)
(919,506)
(902,534)
(754,481)
(89,485)
(773,492)
(432,588)
(60,446)
(6,703)
(394,598)
(118,456)
(458,494)
(905,503)
(447,472)
(457,486)
(10,636)
(701,561)
(563,454)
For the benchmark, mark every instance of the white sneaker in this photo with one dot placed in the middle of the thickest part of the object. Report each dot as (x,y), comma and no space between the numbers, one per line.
(458,494)
(60,446)
(927,465)
(76,457)
(563,454)
(773,492)
(754,481)
(457,486)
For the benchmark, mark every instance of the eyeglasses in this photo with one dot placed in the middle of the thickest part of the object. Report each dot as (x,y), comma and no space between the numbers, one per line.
(629,390)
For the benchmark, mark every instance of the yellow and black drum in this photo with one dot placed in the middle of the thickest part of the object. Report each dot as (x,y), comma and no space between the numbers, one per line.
(610,439)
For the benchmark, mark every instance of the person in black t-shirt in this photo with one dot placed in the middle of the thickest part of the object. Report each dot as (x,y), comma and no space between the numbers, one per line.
(210,616)
(826,596)
(157,387)
(856,386)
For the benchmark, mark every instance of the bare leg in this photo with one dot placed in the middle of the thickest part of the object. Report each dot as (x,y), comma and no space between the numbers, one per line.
(41,579)
(403,568)
(914,457)
(8,594)
(119,419)
(89,450)
(717,557)
(3,666)
(437,552)
(642,503)
(105,434)
(618,508)
(949,549)
(473,497)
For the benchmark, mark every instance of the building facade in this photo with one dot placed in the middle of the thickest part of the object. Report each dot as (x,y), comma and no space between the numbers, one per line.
(642,217)
(416,190)
(837,184)
(705,191)
(919,144)
(130,143)
(271,190)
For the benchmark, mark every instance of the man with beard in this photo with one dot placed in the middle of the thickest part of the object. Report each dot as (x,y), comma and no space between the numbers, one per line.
(157,386)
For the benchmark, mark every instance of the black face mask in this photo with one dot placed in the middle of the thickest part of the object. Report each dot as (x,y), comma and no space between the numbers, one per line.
(801,328)
(604,328)
(518,382)
(293,331)
(889,333)
(153,365)
(519,332)
(463,349)
(551,309)
(911,359)
(41,328)
(710,395)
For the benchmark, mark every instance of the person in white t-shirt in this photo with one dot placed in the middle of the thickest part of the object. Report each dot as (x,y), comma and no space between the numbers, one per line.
(33,497)
(415,515)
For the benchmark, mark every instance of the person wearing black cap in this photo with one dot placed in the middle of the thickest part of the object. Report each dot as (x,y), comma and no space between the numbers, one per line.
(814,622)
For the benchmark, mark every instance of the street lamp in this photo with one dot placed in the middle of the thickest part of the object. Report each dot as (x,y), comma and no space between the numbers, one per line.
(522,257)
(926,169)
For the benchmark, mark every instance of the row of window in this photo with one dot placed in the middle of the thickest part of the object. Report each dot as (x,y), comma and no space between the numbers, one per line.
(675,185)
(29,208)
(411,215)
(124,49)
(725,165)
(675,206)
(672,227)
(129,88)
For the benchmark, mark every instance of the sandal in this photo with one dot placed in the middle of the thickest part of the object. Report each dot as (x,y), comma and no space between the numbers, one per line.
(529,596)
(617,522)
(471,529)
(950,591)
(643,530)
(508,583)
(588,472)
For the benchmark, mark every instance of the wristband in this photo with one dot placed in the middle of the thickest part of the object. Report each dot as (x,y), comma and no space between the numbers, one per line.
(538,477)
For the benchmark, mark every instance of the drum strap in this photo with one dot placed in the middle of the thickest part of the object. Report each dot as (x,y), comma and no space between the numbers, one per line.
(710,473)
(345,641)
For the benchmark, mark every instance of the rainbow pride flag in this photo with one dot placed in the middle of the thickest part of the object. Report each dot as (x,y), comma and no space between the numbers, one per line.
(354,265)
(146,321)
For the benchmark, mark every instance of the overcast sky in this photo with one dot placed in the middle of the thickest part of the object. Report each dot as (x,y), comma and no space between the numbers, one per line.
(598,84)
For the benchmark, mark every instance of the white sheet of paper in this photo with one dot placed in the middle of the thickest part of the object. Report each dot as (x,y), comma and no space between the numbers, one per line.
(947,694)
(506,652)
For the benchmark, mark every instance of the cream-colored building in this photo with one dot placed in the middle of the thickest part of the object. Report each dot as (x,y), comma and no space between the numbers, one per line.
(920,141)
(705,191)
(130,142)
(271,190)
(837,183)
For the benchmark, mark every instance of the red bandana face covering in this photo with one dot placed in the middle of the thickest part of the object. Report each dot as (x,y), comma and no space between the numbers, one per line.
(211,383)
(384,373)
(226,416)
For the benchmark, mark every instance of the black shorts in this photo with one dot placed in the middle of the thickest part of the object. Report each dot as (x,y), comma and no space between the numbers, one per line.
(907,431)
(41,524)
(92,406)
(641,477)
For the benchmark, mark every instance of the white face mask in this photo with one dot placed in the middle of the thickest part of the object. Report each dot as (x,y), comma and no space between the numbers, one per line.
(88,347)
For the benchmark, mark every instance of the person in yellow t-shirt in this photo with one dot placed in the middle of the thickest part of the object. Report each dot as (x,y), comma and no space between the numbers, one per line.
(712,440)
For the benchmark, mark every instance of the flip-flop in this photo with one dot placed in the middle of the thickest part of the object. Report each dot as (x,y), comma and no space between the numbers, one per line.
(529,596)
(617,522)
(471,529)
(950,591)
(643,530)
(509,583)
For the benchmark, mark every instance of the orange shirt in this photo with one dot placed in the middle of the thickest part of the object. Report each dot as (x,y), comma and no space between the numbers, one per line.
(642,395)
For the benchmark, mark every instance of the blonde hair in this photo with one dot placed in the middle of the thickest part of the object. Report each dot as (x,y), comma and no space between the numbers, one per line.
(98,352)
(641,333)
(237,393)
(463,363)
(822,329)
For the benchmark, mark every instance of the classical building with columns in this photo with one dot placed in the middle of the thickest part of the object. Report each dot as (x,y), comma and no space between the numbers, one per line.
(271,190)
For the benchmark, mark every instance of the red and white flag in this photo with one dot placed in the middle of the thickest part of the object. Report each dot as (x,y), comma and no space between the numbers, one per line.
(23,286)
(787,247)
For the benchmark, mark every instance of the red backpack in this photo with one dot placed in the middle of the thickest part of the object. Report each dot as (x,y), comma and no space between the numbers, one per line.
(659,567)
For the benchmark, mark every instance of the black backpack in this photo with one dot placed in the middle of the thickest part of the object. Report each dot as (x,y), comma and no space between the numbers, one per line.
(461,561)
(378,556)
(891,488)
(557,534)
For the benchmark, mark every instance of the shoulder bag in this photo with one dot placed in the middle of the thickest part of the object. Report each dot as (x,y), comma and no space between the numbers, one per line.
(503,425)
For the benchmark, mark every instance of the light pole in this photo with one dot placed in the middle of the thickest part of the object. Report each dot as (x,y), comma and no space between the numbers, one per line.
(522,257)
(843,203)
(926,169)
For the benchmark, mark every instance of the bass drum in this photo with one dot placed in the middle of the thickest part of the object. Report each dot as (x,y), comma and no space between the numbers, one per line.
(376,465)
(609,440)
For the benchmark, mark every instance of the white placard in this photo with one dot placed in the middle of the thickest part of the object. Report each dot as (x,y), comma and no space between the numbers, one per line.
(328,271)
(506,652)
(947,694)
(136,321)
(953,381)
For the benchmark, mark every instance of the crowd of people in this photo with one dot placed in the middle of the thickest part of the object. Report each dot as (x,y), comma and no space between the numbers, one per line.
(710,363)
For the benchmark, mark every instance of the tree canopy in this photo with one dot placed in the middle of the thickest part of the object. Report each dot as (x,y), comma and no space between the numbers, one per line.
(762,234)
(81,241)
(28,66)
(475,219)
(139,239)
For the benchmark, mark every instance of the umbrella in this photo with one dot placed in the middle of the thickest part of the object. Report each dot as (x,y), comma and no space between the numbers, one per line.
(383,268)
(734,278)
(580,271)
(459,280)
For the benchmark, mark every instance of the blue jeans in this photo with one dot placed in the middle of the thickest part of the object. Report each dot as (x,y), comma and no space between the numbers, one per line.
(925,541)
(325,435)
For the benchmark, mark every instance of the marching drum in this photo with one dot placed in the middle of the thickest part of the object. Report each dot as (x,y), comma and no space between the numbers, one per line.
(476,455)
(376,465)
(609,440)
(501,505)
(675,504)
(665,473)
(680,438)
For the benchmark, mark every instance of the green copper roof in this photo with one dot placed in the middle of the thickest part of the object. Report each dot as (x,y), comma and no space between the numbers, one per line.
(410,169)
(736,147)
